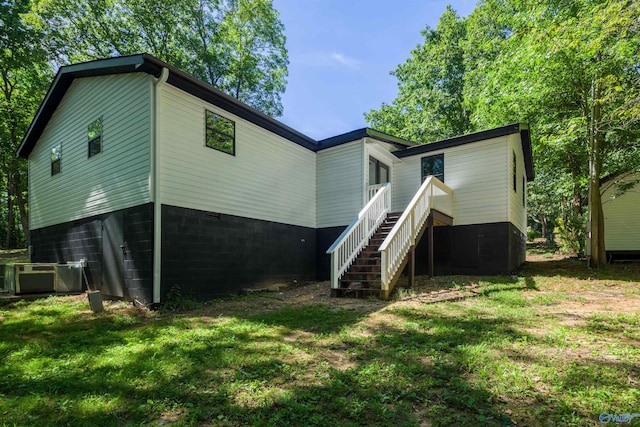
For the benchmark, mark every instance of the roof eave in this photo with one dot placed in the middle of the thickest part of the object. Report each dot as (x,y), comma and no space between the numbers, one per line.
(521,128)
(357,134)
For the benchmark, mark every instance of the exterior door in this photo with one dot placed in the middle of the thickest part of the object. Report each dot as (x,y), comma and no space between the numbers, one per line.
(378,172)
(113,255)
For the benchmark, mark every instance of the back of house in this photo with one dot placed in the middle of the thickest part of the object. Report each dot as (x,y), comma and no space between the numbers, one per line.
(159,181)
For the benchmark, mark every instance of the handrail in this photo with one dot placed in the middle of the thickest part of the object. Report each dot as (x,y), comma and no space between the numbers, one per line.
(373,189)
(355,237)
(432,194)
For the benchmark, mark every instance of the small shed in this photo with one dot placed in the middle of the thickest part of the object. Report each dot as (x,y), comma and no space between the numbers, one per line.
(620,204)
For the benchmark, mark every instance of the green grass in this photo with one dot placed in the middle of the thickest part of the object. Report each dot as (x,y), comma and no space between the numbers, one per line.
(548,347)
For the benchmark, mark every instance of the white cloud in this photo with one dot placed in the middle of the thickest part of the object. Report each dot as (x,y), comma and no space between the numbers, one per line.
(335,60)
(346,61)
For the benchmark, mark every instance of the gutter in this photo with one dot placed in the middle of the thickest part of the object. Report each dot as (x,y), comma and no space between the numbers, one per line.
(155,188)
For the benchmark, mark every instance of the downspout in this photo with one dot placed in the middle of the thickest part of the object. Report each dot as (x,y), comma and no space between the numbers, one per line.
(155,190)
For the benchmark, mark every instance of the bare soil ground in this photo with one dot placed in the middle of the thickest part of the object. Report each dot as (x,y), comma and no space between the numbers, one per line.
(584,294)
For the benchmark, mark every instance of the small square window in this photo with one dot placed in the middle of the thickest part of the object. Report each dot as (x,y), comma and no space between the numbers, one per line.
(220,133)
(433,165)
(56,159)
(94,137)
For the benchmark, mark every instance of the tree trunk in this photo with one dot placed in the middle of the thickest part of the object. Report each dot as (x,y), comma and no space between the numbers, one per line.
(10,219)
(596,229)
(22,204)
(597,258)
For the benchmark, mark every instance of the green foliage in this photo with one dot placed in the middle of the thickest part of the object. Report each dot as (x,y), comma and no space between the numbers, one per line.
(570,69)
(430,102)
(237,46)
(571,234)
(175,301)
(24,76)
(532,234)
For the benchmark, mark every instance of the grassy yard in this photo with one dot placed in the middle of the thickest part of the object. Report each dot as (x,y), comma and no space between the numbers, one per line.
(557,345)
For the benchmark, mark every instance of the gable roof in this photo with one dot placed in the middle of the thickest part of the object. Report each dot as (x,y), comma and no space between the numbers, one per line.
(521,128)
(145,63)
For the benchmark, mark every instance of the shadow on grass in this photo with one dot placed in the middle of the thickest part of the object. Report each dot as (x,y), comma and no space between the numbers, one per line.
(315,318)
(577,269)
(427,367)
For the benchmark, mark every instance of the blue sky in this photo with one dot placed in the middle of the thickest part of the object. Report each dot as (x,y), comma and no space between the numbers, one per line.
(341,53)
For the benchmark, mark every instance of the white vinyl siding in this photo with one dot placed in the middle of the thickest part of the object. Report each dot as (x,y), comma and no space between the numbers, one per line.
(269,178)
(340,187)
(517,211)
(406,182)
(114,179)
(621,219)
(478,174)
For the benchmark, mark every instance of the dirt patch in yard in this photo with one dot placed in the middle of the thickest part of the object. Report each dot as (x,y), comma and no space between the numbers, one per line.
(586,291)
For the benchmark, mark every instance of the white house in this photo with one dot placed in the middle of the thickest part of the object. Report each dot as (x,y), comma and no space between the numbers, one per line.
(158,179)
(620,204)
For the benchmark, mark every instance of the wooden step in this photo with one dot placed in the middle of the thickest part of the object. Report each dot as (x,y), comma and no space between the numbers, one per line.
(361,276)
(365,268)
(380,236)
(344,280)
(364,276)
(369,262)
(370,252)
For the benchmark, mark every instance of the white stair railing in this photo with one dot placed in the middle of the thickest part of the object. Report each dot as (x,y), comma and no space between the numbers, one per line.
(373,189)
(432,194)
(356,236)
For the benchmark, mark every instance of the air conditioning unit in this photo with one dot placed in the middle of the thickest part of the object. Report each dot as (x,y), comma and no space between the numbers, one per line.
(34,278)
(69,277)
(8,281)
(44,278)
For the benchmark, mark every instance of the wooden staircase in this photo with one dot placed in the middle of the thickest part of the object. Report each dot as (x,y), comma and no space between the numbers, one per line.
(364,277)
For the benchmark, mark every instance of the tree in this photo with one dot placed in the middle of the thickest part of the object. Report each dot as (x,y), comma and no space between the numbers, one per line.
(570,69)
(237,46)
(430,102)
(23,73)
(586,56)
